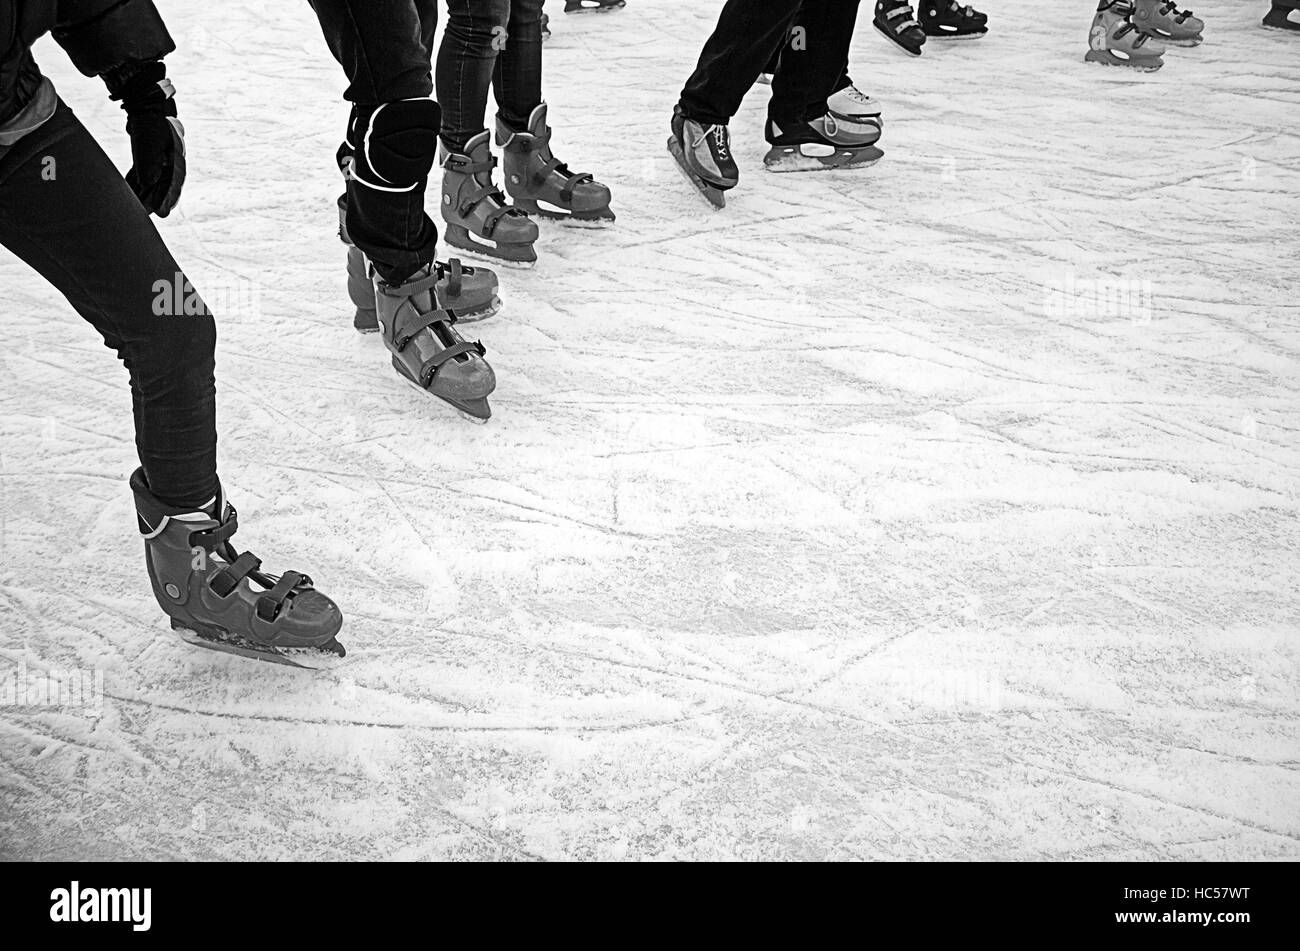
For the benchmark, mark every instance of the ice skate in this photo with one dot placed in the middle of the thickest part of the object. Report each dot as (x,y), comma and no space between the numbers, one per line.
(546,27)
(854,110)
(1163,20)
(470,291)
(541,184)
(819,145)
(704,156)
(1115,41)
(478,217)
(949,20)
(428,351)
(1279,16)
(593,6)
(895,20)
(220,599)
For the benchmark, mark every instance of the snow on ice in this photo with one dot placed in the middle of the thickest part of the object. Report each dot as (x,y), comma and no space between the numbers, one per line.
(945,509)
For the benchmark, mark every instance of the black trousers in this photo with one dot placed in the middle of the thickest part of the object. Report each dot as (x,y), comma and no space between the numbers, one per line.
(807,40)
(385,48)
(66,211)
(488,43)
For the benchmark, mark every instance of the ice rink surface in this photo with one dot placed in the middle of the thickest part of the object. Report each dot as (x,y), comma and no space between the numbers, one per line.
(945,509)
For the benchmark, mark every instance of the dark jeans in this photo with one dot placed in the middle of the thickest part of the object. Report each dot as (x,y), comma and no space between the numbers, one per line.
(67,212)
(752,35)
(488,43)
(385,47)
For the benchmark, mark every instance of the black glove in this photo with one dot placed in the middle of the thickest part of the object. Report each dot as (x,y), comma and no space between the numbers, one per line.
(157,136)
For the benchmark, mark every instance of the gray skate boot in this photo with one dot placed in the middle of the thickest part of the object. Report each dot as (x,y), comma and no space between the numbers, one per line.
(541,184)
(478,217)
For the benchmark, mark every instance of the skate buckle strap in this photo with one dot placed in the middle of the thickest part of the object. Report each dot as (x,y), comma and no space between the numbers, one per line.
(430,369)
(453,270)
(407,330)
(269,604)
(213,538)
(228,578)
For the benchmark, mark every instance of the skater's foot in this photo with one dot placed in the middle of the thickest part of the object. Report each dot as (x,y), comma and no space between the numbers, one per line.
(1163,20)
(895,20)
(1113,40)
(478,217)
(854,110)
(704,155)
(427,350)
(221,599)
(950,20)
(541,184)
(819,145)
(1284,15)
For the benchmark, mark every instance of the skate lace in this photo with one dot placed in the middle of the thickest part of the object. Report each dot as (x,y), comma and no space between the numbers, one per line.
(720,141)
(857,95)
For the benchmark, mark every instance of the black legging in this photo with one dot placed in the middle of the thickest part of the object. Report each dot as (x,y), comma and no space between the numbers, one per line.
(67,212)
(488,43)
(385,48)
(750,38)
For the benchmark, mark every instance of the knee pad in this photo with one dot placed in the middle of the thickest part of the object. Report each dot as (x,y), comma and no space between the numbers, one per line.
(394,144)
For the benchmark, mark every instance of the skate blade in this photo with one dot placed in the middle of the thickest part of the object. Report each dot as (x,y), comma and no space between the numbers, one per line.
(492,253)
(476,411)
(894,43)
(570,219)
(608,8)
(473,316)
(790,159)
(1106,58)
(324,657)
(712,194)
(944,37)
(1186,43)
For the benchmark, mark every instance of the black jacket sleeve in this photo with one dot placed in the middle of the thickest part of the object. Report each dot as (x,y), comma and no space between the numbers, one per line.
(100,35)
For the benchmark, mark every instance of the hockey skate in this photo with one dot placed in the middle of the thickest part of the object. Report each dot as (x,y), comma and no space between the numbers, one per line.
(593,6)
(854,110)
(222,600)
(1163,20)
(895,20)
(949,20)
(704,156)
(1279,16)
(819,145)
(427,350)
(541,184)
(469,291)
(477,215)
(1115,41)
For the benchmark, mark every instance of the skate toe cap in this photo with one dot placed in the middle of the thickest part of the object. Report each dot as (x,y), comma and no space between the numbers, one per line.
(469,379)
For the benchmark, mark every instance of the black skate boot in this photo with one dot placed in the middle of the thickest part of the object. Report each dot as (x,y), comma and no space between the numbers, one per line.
(819,145)
(220,599)
(478,217)
(541,184)
(593,6)
(1279,16)
(704,156)
(949,20)
(894,19)
(427,350)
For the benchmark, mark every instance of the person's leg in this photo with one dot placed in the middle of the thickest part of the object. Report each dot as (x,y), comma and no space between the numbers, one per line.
(815,62)
(517,79)
(747,33)
(94,242)
(392,133)
(467,58)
